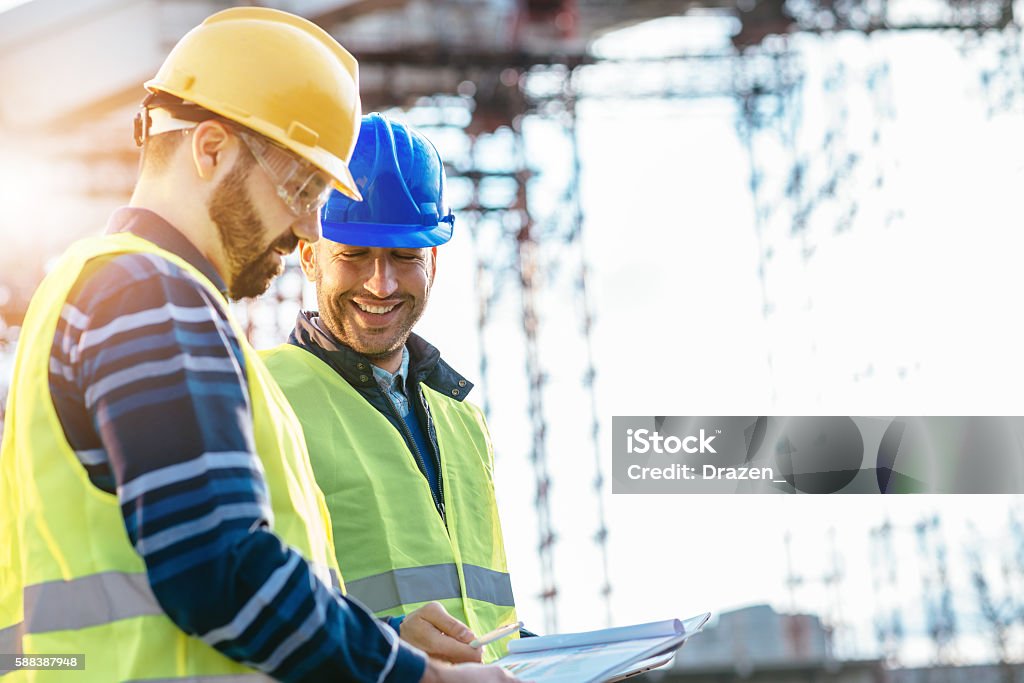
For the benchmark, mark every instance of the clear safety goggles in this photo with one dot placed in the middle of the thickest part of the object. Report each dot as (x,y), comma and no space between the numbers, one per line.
(303,187)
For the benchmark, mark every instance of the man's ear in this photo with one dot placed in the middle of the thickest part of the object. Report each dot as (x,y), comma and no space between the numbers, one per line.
(212,148)
(307,259)
(433,263)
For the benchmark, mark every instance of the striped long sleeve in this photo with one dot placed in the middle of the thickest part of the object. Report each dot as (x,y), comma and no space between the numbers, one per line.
(150,387)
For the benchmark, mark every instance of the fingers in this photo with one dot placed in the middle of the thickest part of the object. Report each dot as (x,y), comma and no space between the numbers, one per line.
(500,675)
(435,614)
(423,629)
(447,648)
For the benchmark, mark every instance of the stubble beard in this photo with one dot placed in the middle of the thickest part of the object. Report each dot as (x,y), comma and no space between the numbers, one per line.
(337,318)
(252,267)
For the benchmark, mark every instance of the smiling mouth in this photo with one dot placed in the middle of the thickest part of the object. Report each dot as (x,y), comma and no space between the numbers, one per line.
(378,310)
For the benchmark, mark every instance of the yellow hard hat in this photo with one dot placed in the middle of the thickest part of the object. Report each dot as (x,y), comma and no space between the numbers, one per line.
(278,74)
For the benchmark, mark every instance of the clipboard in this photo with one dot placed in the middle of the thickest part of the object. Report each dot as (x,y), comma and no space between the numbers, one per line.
(600,656)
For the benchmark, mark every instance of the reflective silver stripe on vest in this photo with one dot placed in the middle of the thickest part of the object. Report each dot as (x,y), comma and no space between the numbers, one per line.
(80,603)
(91,601)
(488,585)
(432,582)
(10,642)
(88,601)
(10,639)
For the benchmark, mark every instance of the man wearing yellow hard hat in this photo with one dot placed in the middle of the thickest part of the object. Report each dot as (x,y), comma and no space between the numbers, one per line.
(159,519)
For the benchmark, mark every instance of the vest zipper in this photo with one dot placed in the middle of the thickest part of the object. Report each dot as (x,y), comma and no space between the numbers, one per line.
(438,504)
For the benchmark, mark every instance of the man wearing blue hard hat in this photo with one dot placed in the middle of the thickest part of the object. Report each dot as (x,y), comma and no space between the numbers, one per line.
(404,461)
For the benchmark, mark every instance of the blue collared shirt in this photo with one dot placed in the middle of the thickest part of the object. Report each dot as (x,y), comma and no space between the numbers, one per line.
(393,386)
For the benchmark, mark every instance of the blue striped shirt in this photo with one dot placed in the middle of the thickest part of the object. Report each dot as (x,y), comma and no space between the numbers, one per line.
(149,384)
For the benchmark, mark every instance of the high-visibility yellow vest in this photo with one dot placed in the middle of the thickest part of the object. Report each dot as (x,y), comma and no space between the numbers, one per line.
(70,580)
(392,544)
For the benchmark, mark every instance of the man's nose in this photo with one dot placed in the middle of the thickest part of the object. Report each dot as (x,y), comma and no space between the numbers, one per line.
(382,282)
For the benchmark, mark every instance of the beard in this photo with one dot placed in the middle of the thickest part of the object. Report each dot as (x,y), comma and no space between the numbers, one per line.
(374,343)
(252,266)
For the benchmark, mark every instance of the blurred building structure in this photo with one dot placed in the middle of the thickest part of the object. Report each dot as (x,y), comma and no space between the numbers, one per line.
(471,72)
(758,645)
(977,673)
(756,637)
(781,672)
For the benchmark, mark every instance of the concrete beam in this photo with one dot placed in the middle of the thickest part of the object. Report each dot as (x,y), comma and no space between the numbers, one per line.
(60,59)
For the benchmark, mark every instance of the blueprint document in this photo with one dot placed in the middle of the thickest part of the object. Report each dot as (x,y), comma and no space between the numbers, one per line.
(595,656)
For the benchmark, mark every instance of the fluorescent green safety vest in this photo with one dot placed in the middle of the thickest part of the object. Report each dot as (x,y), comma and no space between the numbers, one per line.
(395,549)
(70,580)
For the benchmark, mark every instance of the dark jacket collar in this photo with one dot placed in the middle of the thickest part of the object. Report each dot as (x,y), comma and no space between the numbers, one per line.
(425,362)
(152,228)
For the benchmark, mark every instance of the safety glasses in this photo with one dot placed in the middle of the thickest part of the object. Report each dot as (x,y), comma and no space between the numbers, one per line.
(302,186)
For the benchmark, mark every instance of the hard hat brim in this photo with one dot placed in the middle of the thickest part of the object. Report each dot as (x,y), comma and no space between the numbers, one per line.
(390,236)
(336,168)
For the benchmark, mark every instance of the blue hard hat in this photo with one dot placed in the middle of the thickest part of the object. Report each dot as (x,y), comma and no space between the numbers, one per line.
(401,177)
